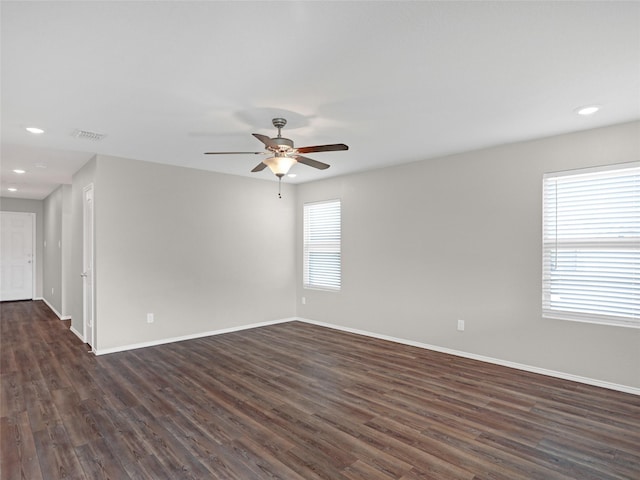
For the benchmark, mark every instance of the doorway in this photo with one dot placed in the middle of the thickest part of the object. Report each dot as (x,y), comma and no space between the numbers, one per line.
(88,271)
(17,260)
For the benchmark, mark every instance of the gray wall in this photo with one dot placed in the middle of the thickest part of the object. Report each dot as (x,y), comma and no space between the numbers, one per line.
(67,250)
(460,237)
(57,249)
(31,206)
(200,250)
(52,282)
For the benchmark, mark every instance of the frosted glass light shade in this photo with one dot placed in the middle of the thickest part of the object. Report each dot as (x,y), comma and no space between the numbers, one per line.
(280,165)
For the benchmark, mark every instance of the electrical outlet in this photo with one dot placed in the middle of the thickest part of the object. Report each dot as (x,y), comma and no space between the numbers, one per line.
(461,325)
(149,317)
(304,300)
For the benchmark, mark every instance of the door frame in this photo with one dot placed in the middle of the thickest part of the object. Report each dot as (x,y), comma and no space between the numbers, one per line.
(85,229)
(34,279)
(34,257)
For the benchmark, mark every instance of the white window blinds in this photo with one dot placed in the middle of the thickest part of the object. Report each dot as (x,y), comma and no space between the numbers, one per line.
(591,245)
(322,245)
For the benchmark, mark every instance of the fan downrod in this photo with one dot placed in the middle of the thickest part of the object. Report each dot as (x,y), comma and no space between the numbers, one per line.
(279,123)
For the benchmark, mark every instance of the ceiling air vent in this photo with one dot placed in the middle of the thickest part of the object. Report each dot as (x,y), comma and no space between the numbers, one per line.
(87,135)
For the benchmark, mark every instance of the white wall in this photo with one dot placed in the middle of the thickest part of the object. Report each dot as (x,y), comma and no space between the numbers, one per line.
(460,237)
(30,206)
(200,250)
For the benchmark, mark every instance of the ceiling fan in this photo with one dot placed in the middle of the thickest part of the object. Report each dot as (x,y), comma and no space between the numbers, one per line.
(283,154)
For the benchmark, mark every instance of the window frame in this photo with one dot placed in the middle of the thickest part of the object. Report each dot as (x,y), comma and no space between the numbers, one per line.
(588,243)
(332,280)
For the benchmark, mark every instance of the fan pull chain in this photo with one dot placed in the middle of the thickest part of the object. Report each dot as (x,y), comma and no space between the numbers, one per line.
(279,186)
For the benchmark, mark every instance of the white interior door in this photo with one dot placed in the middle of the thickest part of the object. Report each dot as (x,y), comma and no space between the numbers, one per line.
(88,266)
(16,255)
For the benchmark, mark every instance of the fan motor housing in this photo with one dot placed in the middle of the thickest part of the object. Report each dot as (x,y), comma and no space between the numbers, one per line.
(284,144)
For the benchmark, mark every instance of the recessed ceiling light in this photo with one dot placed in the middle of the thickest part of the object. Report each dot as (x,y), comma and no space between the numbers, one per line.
(588,110)
(34,130)
(19,171)
(292,175)
(12,189)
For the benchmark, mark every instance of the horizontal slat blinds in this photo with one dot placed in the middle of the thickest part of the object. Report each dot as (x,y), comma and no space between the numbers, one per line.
(591,245)
(322,232)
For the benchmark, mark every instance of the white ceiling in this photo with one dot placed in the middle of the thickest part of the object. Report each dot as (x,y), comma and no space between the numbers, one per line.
(396,81)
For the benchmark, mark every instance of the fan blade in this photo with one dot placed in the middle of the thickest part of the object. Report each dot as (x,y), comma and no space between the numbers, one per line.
(311,162)
(266,140)
(233,153)
(323,148)
(258,168)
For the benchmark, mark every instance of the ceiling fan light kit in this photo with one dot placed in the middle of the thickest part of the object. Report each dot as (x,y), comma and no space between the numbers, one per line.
(280,164)
(283,153)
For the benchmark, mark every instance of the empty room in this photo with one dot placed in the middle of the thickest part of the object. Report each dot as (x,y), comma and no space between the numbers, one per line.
(312,240)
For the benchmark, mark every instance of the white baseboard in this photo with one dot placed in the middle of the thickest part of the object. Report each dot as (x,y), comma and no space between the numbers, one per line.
(63,317)
(473,356)
(77,333)
(58,314)
(482,358)
(153,343)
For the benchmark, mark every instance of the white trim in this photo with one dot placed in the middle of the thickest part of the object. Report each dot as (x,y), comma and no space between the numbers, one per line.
(77,333)
(554,316)
(482,358)
(60,316)
(193,336)
(458,353)
(587,170)
(34,255)
(92,341)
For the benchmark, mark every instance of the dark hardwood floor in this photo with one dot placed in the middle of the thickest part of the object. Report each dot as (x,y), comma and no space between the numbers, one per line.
(294,401)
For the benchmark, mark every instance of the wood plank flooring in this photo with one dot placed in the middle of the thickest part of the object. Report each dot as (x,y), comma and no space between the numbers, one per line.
(293,401)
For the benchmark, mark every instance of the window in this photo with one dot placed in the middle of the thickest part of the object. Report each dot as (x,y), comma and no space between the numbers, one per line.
(322,245)
(591,245)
